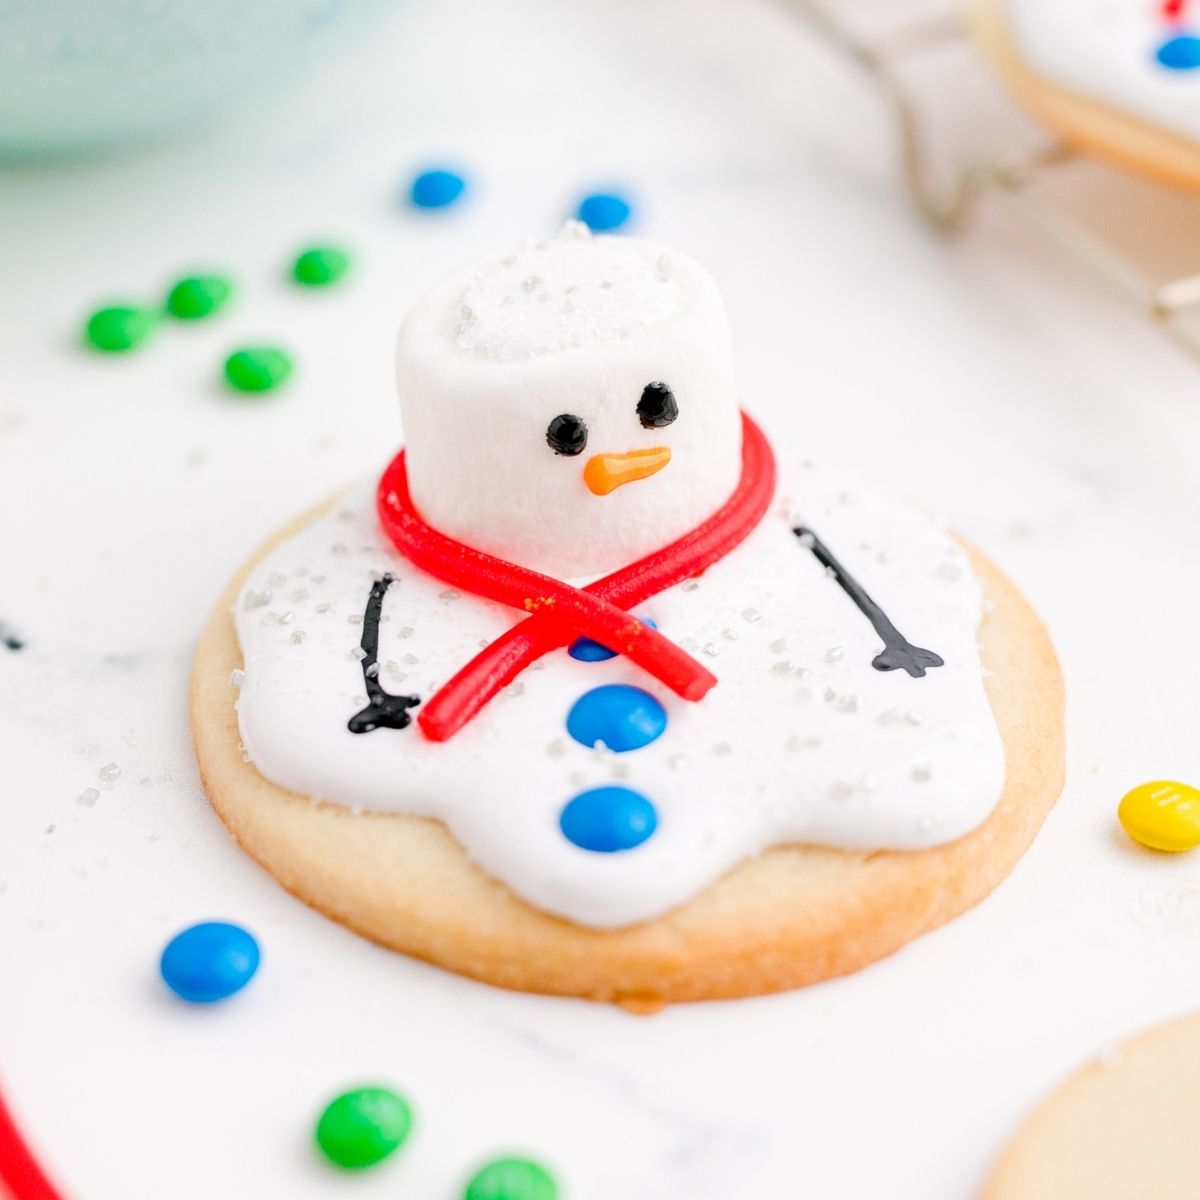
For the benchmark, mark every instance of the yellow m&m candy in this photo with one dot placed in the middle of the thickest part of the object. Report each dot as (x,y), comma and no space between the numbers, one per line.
(1162,815)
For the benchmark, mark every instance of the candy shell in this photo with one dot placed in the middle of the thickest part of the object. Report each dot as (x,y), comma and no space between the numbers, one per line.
(621,716)
(437,188)
(586,650)
(608,819)
(118,328)
(198,296)
(258,369)
(1180,53)
(320,266)
(512,1179)
(209,962)
(603,212)
(1162,815)
(363,1126)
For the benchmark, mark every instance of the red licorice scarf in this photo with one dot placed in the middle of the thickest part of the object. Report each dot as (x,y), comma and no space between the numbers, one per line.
(559,613)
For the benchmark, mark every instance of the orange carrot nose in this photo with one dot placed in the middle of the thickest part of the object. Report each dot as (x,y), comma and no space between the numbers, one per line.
(605,473)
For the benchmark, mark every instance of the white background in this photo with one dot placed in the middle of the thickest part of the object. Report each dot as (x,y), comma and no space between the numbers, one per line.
(986,377)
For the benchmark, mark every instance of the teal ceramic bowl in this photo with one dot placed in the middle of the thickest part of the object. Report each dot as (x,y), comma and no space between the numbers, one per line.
(83,74)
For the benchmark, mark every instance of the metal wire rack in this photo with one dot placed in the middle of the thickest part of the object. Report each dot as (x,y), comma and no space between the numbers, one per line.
(948,206)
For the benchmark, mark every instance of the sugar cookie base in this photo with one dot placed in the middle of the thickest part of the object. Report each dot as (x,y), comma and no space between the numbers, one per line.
(793,916)
(1086,125)
(1122,1129)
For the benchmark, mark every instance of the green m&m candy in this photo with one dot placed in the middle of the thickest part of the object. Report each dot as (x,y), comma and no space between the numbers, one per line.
(198,296)
(363,1126)
(118,328)
(512,1179)
(320,266)
(257,369)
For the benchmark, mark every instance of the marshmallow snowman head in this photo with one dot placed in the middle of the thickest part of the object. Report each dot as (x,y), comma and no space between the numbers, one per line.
(571,407)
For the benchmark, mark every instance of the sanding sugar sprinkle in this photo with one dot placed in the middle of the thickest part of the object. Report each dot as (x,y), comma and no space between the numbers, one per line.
(110,773)
(1172,906)
(88,797)
(564,293)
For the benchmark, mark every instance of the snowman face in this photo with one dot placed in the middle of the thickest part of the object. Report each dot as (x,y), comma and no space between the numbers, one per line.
(567,435)
(571,408)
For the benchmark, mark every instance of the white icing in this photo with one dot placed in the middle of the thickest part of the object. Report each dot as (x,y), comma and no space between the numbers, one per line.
(475,419)
(1105,50)
(575,290)
(802,740)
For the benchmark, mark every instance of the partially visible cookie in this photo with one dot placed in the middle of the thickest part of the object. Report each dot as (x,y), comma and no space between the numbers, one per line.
(1122,1129)
(1117,79)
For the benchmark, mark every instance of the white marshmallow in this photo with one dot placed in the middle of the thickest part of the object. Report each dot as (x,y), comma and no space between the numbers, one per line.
(577,325)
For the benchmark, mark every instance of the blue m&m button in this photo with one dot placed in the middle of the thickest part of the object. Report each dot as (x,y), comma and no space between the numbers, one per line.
(585,650)
(437,189)
(1180,53)
(608,819)
(604,211)
(210,961)
(622,717)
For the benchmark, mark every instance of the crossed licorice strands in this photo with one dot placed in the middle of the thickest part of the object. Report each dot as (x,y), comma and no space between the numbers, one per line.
(559,612)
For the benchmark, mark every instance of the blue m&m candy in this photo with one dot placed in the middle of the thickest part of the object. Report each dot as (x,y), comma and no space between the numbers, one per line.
(586,650)
(209,961)
(622,717)
(1180,53)
(608,819)
(437,188)
(604,211)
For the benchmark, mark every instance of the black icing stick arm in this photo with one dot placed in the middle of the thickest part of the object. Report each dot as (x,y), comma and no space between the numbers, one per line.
(898,654)
(384,711)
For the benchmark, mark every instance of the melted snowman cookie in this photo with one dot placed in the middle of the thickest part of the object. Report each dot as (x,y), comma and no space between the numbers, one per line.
(1117,78)
(800,667)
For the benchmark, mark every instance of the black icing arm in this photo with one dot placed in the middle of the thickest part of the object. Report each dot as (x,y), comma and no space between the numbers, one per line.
(898,654)
(384,711)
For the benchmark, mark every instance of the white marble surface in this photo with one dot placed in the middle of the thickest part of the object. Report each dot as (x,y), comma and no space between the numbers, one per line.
(986,378)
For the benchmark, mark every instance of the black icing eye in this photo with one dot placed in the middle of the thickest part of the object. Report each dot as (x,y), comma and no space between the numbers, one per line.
(657,406)
(566,434)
